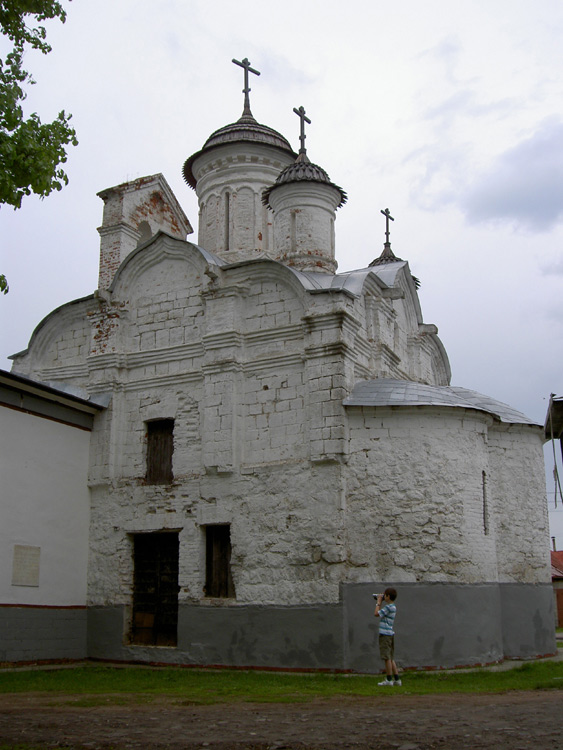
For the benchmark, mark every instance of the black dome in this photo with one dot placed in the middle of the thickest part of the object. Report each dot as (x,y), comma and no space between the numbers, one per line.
(302,170)
(244,130)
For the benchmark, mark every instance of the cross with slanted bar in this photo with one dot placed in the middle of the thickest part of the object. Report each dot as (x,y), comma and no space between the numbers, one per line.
(301,114)
(246,90)
(388,216)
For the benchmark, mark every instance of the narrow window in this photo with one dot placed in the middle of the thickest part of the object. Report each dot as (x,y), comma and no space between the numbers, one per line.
(218,577)
(266,229)
(485,505)
(160,446)
(155,589)
(293,232)
(227,220)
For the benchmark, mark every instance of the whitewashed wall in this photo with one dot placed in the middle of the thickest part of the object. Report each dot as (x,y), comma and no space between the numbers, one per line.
(45,505)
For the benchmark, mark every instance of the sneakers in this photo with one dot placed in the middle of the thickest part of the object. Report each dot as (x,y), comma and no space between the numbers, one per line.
(390,683)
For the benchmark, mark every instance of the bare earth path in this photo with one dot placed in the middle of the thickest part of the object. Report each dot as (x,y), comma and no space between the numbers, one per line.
(519,721)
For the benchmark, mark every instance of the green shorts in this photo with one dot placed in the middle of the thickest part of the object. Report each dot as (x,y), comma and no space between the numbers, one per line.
(387,647)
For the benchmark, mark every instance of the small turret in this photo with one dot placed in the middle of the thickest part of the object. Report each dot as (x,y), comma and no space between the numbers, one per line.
(304,202)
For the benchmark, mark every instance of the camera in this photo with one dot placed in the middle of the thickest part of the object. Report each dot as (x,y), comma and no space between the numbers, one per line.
(376,596)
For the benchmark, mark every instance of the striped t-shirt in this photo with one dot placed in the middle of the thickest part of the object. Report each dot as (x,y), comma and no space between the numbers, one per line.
(386,619)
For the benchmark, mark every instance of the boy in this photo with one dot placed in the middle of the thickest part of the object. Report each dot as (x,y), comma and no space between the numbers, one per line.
(387,613)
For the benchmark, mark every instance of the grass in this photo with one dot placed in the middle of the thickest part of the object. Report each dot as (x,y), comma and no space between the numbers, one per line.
(93,685)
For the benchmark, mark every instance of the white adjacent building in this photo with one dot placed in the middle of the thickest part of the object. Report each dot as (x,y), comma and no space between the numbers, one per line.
(281,441)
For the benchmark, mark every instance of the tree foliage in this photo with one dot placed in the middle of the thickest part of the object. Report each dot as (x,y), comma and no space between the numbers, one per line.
(31,152)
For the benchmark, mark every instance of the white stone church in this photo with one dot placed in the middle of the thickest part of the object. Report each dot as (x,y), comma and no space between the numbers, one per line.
(270,443)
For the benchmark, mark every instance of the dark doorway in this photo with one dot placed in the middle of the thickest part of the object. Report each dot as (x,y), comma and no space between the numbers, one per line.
(155,589)
(218,577)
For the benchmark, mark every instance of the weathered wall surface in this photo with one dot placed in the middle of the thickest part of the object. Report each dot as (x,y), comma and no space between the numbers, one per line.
(230,179)
(415,495)
(392,340)
(286,533)
(518,506)
(253,369)
(438,625)
(60,345)
(133,212)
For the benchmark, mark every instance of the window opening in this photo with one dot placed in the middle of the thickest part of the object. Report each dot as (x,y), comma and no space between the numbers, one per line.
(155,589)
(227,220)
(160,446)
(293,231)
(485,505)
(218,576)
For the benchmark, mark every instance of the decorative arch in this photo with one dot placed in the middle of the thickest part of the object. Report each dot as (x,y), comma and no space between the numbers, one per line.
(163,247)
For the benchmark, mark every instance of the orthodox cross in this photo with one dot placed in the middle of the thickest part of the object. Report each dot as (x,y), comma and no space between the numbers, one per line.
(388,216)
(246,90)
(301,114)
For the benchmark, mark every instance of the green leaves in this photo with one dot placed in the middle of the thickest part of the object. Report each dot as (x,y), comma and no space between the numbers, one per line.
(15,13)
(31,152)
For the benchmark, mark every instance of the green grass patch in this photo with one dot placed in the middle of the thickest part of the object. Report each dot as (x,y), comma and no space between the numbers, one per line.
(107,685)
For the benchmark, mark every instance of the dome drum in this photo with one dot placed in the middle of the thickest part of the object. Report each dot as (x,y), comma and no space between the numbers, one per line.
(230,181)
(304,215)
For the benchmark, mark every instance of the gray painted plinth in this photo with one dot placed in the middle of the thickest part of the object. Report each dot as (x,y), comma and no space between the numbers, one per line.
(244,636)
(42,633)
(437,626)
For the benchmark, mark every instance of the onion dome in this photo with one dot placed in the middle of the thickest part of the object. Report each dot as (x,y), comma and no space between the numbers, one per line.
(303,170)
(244,130)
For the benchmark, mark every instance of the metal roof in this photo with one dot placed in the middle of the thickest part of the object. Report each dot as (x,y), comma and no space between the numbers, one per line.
(349,281)
(244,129)
(303,170)
(391,392)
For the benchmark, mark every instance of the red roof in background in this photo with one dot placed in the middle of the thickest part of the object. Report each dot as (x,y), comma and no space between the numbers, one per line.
(557,564)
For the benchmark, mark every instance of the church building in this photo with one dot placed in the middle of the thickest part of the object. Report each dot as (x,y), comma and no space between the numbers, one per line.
(272,442)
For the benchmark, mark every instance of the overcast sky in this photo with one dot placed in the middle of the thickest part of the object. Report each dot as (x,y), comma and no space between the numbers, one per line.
(449,113)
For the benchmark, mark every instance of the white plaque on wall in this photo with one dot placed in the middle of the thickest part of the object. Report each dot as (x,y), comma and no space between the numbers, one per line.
(25,567)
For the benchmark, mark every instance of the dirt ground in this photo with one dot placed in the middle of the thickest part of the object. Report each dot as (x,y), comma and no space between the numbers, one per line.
(519,721)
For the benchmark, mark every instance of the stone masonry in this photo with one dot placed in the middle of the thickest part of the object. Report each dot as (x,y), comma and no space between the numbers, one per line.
(258,362)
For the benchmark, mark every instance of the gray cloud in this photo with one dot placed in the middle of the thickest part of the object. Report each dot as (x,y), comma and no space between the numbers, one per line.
(524,185)
(464,104)
(447,53)
(555,268)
